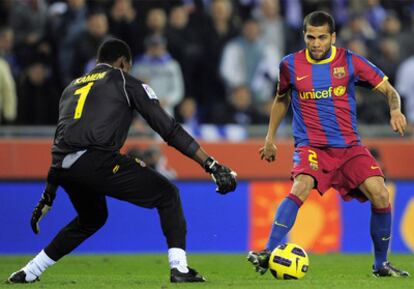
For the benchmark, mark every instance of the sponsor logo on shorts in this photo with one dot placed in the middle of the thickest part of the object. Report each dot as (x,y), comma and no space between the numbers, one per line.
(386,238)
(115,169)
(141,163)
(374,167)
(314,166)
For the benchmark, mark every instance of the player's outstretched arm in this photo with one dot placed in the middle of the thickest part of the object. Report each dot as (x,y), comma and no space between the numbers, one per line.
(146,103)
(398,121)
(279,108)
(43,206)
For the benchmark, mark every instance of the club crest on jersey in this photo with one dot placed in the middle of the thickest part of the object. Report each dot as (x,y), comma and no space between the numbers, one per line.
(339,72)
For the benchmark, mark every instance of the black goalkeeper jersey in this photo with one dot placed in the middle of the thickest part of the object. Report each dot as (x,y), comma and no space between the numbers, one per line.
(96,111)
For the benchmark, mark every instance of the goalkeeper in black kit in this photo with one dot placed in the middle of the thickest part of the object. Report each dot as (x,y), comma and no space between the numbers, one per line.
(95,113)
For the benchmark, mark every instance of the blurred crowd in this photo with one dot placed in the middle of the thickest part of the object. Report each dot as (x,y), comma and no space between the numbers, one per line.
(209,61)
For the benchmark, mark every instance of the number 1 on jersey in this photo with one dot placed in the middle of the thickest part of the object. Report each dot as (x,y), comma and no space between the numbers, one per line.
(83,93)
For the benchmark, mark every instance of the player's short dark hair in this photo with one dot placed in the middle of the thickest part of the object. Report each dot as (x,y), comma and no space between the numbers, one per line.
(319,18)
(111,49)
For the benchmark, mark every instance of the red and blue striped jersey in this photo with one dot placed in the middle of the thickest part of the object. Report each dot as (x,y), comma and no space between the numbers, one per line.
(323,95)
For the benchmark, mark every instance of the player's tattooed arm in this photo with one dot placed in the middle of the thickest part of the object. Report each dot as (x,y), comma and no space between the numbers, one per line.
(398,121)
(393,98)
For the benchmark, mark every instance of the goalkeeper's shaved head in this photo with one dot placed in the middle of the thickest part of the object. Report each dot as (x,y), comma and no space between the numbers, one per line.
(111,50)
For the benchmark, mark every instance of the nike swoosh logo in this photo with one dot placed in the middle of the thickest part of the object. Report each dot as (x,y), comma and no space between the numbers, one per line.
(386,238)
(299,78)
(374,167)
(281,225)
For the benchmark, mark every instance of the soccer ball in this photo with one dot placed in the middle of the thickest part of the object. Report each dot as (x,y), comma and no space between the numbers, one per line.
(288,261)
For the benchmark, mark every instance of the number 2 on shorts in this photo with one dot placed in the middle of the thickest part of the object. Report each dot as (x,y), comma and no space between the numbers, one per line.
(312,157)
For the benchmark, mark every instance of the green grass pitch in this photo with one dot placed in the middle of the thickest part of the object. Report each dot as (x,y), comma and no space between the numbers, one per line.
(223,271)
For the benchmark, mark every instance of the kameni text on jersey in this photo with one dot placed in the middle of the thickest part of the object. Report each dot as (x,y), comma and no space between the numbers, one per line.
(90,77)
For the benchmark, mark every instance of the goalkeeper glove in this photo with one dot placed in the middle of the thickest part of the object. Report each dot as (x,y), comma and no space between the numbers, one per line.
(42,207)
(224,177)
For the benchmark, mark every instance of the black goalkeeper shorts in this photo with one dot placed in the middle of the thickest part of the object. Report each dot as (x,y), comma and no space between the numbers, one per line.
(97,174)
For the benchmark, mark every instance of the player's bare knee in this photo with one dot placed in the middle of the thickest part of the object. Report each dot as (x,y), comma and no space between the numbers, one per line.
(302,186)
(381,198)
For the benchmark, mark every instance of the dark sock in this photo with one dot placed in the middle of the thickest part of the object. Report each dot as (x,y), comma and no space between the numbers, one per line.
(381,233)
(284,220)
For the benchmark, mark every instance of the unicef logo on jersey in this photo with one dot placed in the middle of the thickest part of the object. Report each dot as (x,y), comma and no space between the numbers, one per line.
(323,93)
(340,90)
